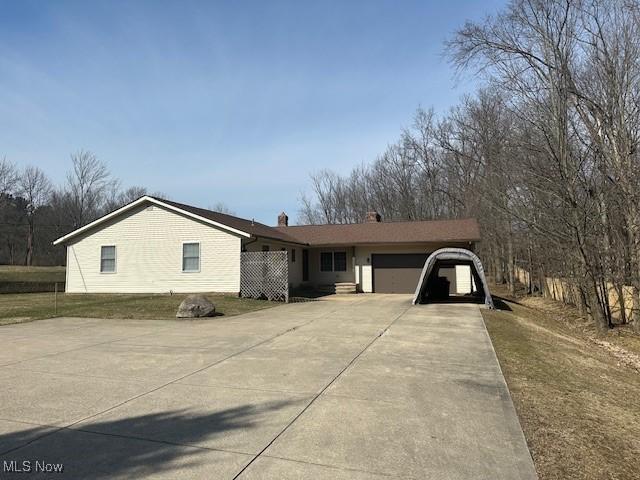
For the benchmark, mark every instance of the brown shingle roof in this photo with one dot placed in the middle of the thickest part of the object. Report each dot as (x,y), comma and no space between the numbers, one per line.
(242,224)
(362,233)
(466,230)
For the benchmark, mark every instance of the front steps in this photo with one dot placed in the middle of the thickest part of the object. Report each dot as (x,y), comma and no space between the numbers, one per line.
(338,288)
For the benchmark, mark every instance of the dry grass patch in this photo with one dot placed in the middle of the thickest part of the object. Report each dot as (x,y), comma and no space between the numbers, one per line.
(578,402)
(567,317)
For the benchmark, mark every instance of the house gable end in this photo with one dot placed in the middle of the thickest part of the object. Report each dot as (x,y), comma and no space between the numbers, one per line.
(114,216)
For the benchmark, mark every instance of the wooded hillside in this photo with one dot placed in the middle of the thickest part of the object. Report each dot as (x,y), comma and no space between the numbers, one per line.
(34,212)
(545,155)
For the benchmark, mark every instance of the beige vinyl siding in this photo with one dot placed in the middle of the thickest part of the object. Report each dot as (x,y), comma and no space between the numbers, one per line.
(148,243)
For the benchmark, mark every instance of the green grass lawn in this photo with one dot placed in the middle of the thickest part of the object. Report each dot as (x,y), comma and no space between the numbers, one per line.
(24,307)
(15,273)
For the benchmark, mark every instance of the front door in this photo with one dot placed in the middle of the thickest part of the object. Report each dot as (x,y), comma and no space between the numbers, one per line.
(305,265)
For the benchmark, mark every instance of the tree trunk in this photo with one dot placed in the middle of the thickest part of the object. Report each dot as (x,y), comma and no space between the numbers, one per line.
(530,286)
(606,305)
(543,282)
(11,250)
(635,314)
(594,308)
(582,302)
(29,255)
(598,308)
(511,266)
(499,273)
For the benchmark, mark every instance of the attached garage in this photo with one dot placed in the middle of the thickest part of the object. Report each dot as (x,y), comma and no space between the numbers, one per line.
(397,272)
(382,257)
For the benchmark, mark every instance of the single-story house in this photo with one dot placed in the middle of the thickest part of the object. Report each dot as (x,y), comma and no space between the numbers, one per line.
(154,245)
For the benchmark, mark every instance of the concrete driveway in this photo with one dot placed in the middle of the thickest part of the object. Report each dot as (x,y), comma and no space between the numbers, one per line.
(348,388)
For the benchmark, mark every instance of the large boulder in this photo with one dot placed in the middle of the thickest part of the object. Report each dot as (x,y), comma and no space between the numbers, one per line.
(195,306)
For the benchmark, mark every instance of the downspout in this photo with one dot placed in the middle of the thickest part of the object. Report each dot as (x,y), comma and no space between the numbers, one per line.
(244,245)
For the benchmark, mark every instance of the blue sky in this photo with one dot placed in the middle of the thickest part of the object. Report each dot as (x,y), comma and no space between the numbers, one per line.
(221,101)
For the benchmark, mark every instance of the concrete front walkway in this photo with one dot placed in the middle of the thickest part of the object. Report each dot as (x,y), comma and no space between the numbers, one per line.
(363,387)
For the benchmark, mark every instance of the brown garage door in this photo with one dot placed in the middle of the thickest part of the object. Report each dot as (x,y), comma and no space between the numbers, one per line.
(397,272)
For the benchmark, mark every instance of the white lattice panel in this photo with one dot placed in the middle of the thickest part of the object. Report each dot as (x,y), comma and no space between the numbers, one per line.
(264,275)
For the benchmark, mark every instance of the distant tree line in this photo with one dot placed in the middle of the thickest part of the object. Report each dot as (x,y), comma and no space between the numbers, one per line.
(545,155)
(34,212)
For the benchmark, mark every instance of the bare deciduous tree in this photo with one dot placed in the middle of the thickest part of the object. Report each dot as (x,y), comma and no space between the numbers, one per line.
(546,154)
(8,176)
(87,185)
(33,213)
(222,207)
(35,188)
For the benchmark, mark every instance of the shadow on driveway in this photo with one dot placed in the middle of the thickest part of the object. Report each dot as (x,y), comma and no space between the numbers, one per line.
(105,450)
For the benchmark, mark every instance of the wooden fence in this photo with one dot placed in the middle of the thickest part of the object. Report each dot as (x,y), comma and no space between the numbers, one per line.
(264,275)
(567,292)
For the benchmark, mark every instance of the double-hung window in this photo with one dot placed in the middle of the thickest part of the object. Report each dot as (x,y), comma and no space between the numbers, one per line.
(326,261)
(191,257)
(333,261)
(340,261)
(108,259)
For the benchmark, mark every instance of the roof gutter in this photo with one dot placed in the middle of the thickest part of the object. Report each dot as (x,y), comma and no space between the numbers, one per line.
(288,242)
(409,243)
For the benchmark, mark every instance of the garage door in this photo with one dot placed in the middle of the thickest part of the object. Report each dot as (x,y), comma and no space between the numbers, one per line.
(397,272)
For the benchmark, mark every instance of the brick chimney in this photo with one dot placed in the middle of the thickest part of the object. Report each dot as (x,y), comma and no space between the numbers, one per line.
(283,220)
(373,217)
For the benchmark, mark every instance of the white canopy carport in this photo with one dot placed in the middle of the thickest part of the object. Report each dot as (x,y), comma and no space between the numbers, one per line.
(453,255)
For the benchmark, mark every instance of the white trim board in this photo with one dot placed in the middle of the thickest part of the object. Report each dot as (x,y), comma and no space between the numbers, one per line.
(140,201)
